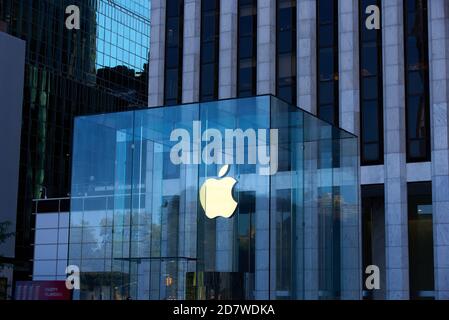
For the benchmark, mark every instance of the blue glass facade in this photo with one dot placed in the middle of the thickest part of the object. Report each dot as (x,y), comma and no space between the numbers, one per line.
(102,67)
(137,224)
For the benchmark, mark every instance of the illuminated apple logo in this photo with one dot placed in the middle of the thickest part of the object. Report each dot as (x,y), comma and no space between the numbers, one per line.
(216,196)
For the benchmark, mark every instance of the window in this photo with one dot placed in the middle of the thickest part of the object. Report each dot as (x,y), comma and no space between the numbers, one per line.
(247,48)
(373,235)
(173,52)
(286,51)
(329,226)
(327,60)
(284,235)
(169,170)
(417,80)
(371,95)
(210,25)
(246,231)
(420,237)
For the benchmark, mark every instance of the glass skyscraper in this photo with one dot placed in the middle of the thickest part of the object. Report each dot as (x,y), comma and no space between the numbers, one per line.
(101,67)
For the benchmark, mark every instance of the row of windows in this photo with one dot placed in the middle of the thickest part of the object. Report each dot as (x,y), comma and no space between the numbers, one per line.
(371,91)
(416,85)
(120,22)
(210,25)
(104,28)
(47,123)
(420,236)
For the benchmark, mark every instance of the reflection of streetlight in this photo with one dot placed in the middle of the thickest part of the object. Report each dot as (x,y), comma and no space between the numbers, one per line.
(168,281)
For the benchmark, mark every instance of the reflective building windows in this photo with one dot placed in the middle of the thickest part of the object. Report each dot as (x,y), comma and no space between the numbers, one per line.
(173,51)
(247,48)
(210,28)
(285,233)
(420,237)
(417,80)
(373,235)
(246,225)
(122,47)
(371,97)
(286,50)
(327,60)
(102,67)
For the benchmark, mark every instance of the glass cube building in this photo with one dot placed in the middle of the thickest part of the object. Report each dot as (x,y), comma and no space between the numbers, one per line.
(147,186)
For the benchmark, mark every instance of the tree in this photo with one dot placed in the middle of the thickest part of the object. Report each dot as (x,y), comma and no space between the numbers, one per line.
(4,235)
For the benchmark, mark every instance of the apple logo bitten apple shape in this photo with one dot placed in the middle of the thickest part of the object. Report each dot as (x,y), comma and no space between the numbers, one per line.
(216,195)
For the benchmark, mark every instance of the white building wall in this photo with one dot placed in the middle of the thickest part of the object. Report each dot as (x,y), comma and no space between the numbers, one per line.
(396,218)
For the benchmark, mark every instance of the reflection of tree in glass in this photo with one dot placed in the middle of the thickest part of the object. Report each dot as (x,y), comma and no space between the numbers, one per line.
(146,236)
(94,239)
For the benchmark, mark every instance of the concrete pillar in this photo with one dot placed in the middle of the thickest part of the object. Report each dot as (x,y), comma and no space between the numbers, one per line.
(228,49)
(396,218)
(306,55)
(346,174)
(191,54)
(157,54)
(227,89)
(438,16)
(266,47)
(348,58)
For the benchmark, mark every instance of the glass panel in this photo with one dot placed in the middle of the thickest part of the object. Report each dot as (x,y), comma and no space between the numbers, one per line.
(173,51)
(371,90)
(210,10)
(49,220)
(247,33)
(373,235)
(286,50)
(46,236)
(327,60)
(420,226)
(417,81)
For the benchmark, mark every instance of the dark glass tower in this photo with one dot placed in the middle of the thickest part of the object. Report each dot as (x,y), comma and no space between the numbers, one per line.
(102,67)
